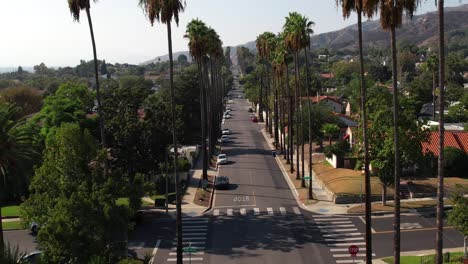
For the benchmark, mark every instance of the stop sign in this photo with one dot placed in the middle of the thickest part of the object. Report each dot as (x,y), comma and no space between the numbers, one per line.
(353,250)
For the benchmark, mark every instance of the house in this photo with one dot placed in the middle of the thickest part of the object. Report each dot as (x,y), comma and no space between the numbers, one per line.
(334,103)
(457,140)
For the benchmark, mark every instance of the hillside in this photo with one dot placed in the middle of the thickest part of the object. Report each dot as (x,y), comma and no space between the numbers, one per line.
(421,31)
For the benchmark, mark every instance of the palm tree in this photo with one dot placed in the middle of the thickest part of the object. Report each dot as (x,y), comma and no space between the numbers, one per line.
(164,11)
(441,163)
(18,149)
(349,6)
(432,66)
(391,13)
(197,34)
(75,7)
(260,43)
(294,42)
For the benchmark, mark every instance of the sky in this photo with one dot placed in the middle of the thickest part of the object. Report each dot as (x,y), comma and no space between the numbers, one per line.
(35,31)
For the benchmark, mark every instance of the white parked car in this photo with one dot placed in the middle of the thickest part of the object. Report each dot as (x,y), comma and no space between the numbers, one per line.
(225,131)
(228,116)
(222,159)
(225,138)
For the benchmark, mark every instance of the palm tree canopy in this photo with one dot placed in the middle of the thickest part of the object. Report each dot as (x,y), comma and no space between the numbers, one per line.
(162,10)
(197,34)
(297,31)
(76,6)
(391,11)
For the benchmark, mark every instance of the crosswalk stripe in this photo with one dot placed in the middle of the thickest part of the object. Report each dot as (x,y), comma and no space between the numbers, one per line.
(188,243)
(194,221)
(216,212)
(349,261)
(193,238)
(347,255)
(194,234)
(186,253)
(270,210)
(342,234)
(194,229)
(344,239)
(296,210)
(256,211)
(184,259)
(332,226)
(326,219)
(243,211)
(346,244)
(282,210)
(340,222)
(197,248)
(229,212)
(338,230)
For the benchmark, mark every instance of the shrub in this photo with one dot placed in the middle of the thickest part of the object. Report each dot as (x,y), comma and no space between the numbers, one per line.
(456,162)
(340,148)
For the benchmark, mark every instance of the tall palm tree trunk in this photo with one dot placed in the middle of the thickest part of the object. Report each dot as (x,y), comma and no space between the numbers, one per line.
(96,75)
(309,106)
(296,113)
(276,113)
(441,162)
(434,85)
(260,100)
(290,124)
(174,141)
(203,119)
(396,224)
(365,141)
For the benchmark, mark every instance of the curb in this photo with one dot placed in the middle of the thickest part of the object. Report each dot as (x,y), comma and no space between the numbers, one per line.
(210,207)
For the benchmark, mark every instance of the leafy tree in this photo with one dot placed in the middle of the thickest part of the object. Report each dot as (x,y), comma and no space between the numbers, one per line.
(456,162)
(69,104)
(380,72)
(182,59)
(330,130)
(458,216)
(75,201)
(344,71)
(26,99)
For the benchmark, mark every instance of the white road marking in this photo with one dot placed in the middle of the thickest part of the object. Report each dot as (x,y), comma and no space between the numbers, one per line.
(216,212)
(196,229)
(340,235)
(338,230)
(190,238)
(296,210)
(194,221)
(282,210)
(243,211)
(193,234)
(229,212)
(329,219)
(256,211)
(197,248)
(348,255)
(344,239)
(184,259)
(155,250)
(188,243)
(186,253)
(332,226)
(346,244)
(340,222)
(270,211)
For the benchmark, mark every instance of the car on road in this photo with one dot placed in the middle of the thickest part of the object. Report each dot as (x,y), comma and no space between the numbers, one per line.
(31,258)
(225,131)
(34,227)
(254,119)
(250,110)
(228,108)
(228,116)
(222,183)
(222,159)
(225,138)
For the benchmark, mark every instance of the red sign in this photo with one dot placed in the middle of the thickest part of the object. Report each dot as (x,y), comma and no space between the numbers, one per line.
(353,250)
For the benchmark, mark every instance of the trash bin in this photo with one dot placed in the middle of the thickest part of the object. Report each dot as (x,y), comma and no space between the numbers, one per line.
(273,153)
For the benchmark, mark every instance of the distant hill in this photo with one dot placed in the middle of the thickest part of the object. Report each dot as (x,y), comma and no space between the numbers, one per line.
(421,31)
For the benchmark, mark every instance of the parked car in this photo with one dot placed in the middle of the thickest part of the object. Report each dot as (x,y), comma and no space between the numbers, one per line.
(225,138)
(250,110)
(227,116)
(254,119)
(34,227)
(228,108)
(225,131)
(222,159)
(222,183)
(31,258)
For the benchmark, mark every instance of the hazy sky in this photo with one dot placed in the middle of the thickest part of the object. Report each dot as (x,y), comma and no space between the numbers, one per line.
(35,31)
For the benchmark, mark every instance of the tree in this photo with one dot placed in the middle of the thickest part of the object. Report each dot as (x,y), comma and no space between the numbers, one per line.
(330,130)
(391,13)
(182,59)
(458,216)
(164,11)
(26,99)
(19,151)
(70,103)
(74,199)
(75,7)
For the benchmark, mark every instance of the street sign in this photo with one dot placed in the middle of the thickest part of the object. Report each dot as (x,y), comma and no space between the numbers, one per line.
(189,249)
(306,178)
(353,250)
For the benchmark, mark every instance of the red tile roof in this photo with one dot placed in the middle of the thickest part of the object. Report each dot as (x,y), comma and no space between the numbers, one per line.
(327,75)
(324,97)
(457,140)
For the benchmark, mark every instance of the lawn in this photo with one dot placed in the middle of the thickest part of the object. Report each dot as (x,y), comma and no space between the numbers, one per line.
(455,257)
(405,206)
(12,225)
(10,211)
(346,181)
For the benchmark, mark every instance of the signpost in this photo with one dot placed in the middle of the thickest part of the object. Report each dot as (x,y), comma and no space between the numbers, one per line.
(189,250)
(353,250)
(306,177)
